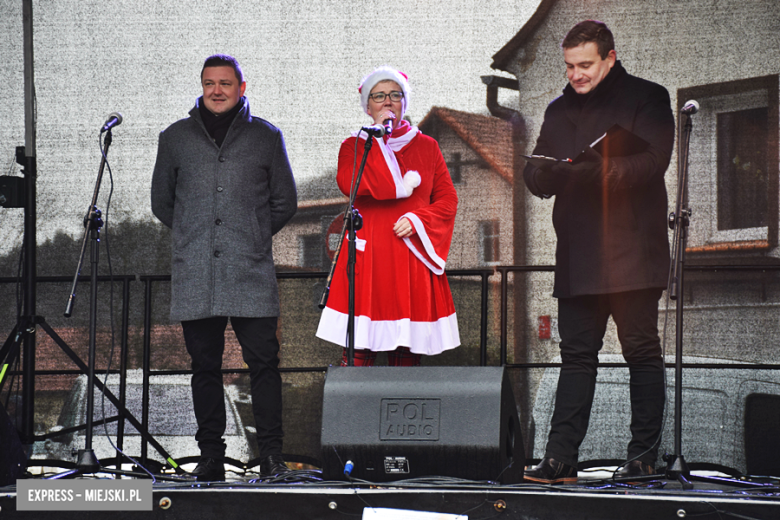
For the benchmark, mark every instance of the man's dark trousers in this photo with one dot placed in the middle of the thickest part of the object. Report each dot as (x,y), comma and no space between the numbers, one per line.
(582,323)
(205,341)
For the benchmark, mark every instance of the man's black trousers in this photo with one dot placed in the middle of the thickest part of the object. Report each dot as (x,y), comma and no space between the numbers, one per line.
(205,341)
(582,323)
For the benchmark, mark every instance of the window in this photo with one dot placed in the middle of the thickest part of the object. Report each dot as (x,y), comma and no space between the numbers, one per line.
(489,241)
(733,166)
(311,250)
(455,165)
(742,169)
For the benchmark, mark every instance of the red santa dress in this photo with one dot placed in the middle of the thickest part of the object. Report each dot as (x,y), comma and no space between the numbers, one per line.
(402,297)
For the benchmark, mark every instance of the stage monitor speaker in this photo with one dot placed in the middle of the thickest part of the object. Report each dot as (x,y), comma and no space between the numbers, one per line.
(13,461)
(396,423)
(762,422)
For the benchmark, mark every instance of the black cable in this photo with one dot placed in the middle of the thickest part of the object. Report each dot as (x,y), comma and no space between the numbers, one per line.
(19,271)
(721,512)
(354,167)
(511,462)
(111,316)
(15,381)
(674,252)
(351,203)
(20,302)
(484,501)
(363,499)
(297,477)
(664,335)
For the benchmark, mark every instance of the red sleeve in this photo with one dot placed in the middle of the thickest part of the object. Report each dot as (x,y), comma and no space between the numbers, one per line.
(433,224)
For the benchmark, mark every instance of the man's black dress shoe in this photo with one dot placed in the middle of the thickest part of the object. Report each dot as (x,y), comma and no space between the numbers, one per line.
(634,469)
(550,471)
(209,470)
(272,466)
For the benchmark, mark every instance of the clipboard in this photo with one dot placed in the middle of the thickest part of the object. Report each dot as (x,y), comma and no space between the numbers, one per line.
(616,142)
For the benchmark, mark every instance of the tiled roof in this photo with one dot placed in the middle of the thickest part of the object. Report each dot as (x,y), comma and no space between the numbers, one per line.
(490,137)
(168,352)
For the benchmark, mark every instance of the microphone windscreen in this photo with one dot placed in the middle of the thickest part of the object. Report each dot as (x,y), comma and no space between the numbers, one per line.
(690,107)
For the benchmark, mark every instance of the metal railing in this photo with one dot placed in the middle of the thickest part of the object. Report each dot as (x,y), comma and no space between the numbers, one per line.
(484,274)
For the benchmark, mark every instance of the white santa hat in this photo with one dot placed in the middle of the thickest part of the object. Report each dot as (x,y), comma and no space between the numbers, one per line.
(383,73)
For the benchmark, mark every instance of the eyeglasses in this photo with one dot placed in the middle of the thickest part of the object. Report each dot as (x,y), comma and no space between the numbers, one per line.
(379,97)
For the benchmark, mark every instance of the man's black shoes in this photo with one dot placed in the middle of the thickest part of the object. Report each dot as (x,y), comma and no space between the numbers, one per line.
(551,471)
(209,470)
(213,470)
(273,466)
(634,469)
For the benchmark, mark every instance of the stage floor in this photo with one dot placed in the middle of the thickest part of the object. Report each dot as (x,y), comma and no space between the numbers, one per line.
(303,496)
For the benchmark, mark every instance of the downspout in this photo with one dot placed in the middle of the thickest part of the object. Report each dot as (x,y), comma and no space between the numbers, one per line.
(520,380)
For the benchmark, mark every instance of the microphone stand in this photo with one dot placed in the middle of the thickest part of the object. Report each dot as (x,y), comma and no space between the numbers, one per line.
(677,468)
(87,462)
(353,221)
(25,330)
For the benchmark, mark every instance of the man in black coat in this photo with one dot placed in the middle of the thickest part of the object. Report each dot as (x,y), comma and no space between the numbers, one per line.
(612,255)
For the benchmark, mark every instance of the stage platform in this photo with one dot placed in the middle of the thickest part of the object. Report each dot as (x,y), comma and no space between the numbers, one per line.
(303,496)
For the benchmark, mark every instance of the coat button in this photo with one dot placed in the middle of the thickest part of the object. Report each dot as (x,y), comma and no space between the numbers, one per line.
(221,159)
(218,222)
(217,253)
(220,188)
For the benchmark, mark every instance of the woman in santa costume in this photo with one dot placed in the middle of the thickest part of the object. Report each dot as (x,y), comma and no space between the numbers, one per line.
(403,303)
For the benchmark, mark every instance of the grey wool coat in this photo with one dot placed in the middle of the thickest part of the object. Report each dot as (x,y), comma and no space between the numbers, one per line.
(223,205)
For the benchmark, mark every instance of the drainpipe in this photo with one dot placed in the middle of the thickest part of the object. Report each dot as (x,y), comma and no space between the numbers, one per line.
(520,381)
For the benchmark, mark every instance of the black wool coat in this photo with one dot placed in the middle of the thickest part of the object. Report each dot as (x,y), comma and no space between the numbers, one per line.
(611,225)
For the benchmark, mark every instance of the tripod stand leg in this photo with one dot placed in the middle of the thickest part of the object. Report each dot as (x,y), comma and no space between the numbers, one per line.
(111,397)
(9,353)
(87,462)
(677,469)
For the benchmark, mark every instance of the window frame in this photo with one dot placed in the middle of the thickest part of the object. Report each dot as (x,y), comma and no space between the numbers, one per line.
(303,247)
(495,239)
(702,180)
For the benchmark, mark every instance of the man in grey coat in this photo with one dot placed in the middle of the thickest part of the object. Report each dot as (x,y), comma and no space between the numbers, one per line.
(223,184)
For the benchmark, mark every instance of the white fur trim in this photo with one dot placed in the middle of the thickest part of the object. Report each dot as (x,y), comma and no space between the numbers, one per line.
(397,143)
(395,169)
(393,145)
(422,337)
(383,73)
(411,181)
(427,244)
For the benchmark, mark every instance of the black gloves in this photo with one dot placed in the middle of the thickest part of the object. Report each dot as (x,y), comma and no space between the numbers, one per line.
(585,170)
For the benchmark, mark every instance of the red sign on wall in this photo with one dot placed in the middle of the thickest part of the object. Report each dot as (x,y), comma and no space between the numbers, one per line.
(545,328)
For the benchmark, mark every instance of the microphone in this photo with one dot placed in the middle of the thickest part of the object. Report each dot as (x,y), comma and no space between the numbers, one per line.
(114,119)
(388,126)
(375,130)
(690,107)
